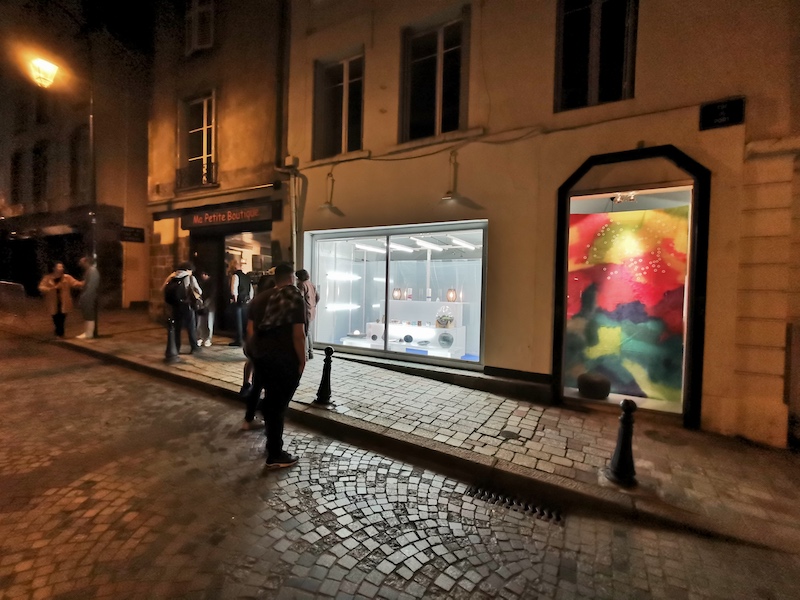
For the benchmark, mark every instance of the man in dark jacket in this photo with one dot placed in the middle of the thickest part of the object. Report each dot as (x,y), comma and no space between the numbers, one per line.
(276,345)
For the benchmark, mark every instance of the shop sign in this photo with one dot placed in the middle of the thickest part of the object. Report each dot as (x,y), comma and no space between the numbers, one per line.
(132,234)
(222,215)
(722,114)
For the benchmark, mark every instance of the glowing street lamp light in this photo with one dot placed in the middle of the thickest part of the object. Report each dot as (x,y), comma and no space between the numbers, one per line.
(43,72)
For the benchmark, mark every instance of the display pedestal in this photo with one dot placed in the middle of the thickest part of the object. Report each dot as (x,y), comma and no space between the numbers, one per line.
(417,323)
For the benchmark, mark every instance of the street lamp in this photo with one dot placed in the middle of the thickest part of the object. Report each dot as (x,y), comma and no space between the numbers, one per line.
(44,73)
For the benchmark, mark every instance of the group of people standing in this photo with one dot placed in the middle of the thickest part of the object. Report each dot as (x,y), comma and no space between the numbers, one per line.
(56,288)
(272,326)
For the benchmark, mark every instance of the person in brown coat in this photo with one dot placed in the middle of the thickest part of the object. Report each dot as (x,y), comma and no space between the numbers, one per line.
(56,287)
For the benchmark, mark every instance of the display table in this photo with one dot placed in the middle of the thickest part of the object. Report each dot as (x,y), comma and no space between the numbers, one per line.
(416,331)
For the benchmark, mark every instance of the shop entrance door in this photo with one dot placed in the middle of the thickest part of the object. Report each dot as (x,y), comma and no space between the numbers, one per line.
(208,254)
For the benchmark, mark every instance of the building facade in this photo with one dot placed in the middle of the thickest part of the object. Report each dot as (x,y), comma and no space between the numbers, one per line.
(215,141)
(560,192)
(47,209)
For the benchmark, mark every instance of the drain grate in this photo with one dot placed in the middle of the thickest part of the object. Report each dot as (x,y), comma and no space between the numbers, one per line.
(523,506)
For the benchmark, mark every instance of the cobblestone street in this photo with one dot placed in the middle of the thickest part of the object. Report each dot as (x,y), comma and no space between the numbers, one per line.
(117,485)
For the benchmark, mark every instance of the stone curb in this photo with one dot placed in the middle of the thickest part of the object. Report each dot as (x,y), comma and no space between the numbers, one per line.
(499,476)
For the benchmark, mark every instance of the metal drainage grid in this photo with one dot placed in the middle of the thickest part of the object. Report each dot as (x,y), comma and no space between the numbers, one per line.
(533,509)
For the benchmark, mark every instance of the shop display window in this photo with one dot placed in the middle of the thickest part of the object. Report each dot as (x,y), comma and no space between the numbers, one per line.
(402,293)
(626,294)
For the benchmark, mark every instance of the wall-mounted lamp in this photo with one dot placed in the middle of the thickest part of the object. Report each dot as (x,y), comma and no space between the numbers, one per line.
(328,204)
(452,193)
(621,197)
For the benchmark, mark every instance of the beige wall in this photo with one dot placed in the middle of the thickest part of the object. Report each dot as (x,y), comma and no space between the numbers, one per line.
(688,53)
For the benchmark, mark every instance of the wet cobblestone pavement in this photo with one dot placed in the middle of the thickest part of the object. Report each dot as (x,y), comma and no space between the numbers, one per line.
(117,485)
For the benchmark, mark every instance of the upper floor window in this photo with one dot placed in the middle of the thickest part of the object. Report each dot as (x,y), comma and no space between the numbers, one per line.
(435,90)
(596,52)
(39,174)
(17,164)
(199,25)
(198,166)
(339,107)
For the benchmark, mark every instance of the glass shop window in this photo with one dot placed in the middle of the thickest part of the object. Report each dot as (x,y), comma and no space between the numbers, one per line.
(430,305)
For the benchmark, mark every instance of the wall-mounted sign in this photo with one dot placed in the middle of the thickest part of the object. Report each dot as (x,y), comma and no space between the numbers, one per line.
(132,234)
(228,215)
(724,113)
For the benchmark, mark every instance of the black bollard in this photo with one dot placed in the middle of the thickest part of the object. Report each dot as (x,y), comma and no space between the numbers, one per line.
(171,353)
(324,391)
(621,470)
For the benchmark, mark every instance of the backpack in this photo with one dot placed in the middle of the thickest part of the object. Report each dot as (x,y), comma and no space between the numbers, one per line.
(176,292)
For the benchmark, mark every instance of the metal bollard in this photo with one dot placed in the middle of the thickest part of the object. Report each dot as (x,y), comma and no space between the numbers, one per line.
(324,391)
(621,470)
(171,353)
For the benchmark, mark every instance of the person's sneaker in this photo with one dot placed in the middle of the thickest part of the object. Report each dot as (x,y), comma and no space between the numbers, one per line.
(199,343)
(283,460)
(207,343)
(252,425)
(310,355)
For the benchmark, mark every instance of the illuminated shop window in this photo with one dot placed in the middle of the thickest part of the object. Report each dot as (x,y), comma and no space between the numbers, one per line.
(404,293)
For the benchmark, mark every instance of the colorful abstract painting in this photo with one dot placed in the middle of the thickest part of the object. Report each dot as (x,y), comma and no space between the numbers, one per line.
(625,298)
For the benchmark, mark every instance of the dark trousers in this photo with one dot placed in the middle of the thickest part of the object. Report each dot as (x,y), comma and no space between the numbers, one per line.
(239,313)
(58,321)
(279,380)
(184,319)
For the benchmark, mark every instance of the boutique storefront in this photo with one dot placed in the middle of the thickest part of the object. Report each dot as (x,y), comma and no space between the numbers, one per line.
(217,233)
(415,291)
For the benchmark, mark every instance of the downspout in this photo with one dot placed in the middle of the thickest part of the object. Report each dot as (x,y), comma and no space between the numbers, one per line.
(281,114)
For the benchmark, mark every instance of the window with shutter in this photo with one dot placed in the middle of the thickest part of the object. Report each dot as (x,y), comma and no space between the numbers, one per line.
(339,105)
(435,78)
(199,25)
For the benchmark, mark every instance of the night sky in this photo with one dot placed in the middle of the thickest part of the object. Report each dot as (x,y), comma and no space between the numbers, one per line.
(130,22)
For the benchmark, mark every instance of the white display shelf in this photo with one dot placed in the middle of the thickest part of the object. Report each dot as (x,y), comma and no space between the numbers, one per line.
(398,331)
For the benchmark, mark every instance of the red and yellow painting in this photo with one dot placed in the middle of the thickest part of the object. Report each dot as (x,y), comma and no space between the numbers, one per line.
(625,300)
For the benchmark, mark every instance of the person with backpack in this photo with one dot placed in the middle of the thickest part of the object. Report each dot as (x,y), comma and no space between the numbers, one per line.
(184,295)
(241,292)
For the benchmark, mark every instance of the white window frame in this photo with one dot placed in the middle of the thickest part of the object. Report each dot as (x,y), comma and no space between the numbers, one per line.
(208,155)
(628,67)
(411,34)
(319,122)
(194,40)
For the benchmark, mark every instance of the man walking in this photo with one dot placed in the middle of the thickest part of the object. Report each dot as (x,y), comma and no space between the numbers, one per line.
(276,345)
(88,299)
(311,297)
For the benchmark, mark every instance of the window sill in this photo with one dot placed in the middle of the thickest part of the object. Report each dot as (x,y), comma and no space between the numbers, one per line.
(338,158)
(450,136)
(196,188)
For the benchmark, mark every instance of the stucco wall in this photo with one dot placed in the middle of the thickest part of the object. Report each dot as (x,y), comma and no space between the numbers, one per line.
(744,50)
